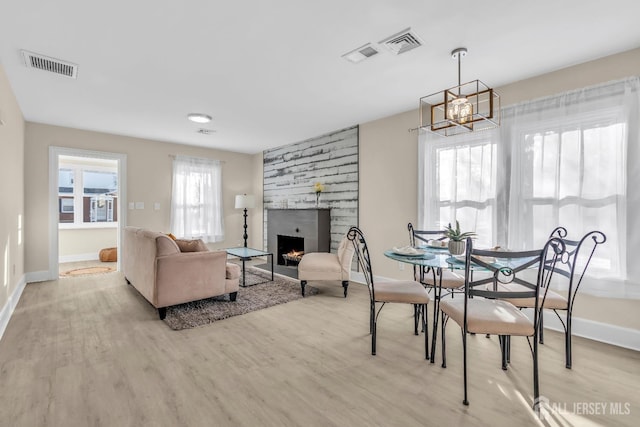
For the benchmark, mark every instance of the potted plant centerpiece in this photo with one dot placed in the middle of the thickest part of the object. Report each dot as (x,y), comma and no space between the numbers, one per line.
(457,238)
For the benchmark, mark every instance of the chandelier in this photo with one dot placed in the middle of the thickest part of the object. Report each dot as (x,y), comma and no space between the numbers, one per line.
(468,107)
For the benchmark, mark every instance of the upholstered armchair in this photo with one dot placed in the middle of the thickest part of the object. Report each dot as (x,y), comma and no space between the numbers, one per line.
(324,266)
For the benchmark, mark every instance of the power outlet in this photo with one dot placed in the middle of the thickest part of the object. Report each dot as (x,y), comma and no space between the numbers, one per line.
(400,266)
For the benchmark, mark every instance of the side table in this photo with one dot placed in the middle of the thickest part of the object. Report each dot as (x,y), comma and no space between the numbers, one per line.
(245,254)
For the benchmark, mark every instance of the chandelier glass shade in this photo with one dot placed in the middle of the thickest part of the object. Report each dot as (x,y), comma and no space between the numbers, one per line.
(468,107)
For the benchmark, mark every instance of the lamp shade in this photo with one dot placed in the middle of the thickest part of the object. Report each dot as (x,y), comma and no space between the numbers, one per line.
(244,201)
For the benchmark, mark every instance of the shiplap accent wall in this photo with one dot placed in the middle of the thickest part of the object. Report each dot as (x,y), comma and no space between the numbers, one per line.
(291,171)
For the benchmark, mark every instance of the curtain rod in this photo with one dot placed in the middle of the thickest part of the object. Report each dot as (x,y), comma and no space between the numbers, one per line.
(173,156)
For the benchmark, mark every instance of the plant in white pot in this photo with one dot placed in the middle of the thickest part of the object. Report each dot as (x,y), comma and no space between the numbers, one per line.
(457,238)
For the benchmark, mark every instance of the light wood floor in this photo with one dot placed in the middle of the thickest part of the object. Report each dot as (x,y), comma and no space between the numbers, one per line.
(90,351)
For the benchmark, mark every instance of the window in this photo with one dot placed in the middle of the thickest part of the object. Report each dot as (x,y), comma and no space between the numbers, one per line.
(463,184)
(87,192)
(572,174)
(563,160)
(196,201)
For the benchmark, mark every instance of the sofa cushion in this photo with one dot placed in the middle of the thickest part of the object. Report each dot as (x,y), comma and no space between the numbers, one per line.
(233,271)
(191,245)
(165,245)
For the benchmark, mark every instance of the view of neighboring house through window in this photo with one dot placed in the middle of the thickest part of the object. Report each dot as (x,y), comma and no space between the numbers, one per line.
(87,193)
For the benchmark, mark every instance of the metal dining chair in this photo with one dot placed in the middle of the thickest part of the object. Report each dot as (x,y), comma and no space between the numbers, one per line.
(572,267)
(381,293)
(434,278)
(483,310)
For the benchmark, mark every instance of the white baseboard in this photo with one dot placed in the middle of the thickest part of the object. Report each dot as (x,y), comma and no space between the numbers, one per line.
(10,306)
(91,256)
(597,331)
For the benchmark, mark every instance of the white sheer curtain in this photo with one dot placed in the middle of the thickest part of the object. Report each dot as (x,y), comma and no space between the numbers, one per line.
(459,179)
(569,167)
(196,199)
(571,159)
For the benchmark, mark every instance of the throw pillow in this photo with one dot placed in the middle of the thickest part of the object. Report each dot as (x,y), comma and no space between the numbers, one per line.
(171,236)
(191,245)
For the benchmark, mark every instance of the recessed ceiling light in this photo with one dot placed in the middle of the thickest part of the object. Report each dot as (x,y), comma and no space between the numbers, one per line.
(199,118)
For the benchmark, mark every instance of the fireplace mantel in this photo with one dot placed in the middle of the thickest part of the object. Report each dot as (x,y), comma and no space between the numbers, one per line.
(313,225)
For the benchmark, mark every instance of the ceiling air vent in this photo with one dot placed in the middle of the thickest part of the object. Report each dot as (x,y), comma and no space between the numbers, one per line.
(360,54)
(402,42)
(46,63)
(204,131)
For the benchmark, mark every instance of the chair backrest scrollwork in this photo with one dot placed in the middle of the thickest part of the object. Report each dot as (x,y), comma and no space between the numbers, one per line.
(576,258)
(510,267)
(363,258)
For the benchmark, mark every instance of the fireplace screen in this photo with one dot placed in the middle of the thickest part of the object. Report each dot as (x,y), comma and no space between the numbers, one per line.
(290,250)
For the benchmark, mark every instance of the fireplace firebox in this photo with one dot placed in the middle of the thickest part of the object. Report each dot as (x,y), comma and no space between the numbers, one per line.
(290,250)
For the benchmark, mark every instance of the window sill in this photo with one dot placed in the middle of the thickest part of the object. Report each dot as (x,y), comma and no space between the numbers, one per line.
(87,226)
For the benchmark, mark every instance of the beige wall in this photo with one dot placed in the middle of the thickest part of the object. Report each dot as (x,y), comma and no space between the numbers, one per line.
(389,170)
(148,180)
(388,187)
(85,241)
(256,220)
(11,192)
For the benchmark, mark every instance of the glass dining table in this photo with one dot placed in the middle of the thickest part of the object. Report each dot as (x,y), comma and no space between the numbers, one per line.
(439,259)
(436,259)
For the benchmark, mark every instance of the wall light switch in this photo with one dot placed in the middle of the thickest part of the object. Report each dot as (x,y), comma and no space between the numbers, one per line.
(400,266)
(139,205)
(132,206)
(156,206)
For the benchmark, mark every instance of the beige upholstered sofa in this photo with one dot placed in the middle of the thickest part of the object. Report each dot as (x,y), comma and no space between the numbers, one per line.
(327,266)
(166,275)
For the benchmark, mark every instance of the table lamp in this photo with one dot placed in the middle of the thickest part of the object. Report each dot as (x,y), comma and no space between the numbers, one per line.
(245,202)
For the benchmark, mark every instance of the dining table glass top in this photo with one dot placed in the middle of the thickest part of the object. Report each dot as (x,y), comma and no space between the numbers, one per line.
(427,256)
(430,257)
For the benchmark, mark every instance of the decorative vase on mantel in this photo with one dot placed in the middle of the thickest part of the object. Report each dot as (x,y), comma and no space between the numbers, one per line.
(318,188)
(456,247)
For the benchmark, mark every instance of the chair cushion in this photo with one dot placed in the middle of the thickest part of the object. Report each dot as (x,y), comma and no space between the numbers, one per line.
(409,292)
(553,300)
(486,316)
(320,262)
(450,280)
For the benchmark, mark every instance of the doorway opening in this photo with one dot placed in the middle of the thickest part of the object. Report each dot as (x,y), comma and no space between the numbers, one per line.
(86,214)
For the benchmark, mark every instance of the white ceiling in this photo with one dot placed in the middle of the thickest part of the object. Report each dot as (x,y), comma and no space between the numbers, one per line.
(270,73)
